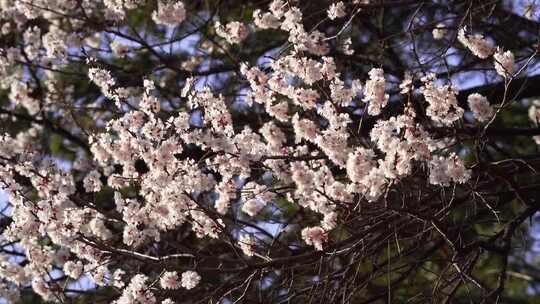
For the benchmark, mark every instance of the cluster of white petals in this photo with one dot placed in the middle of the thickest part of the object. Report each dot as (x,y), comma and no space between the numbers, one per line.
(170,280)
(534,117)
(91,182)
(137,292)
(234,32)
(265,20)
(440,31)
(443,107)
(117,9)
(247,244)
(480,107)
(103,79)
(161,163)
(336,10)
(475,43)
(374,92)
(444,170)
(170,13)
(504,63)
(315,236)
(190,279)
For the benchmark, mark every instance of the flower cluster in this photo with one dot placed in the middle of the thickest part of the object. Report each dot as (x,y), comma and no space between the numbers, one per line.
(336,10)
(504,63)
(534,117)
(165,154)
(374,92)
(440,31)
(170,13)
(476,44)
(315,236)
(443,170)
(234,32)
(190,279)
(480,106)
(170,280)
(443,107)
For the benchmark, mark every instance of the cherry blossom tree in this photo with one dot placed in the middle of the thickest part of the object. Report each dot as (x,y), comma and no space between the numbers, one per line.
(225,151)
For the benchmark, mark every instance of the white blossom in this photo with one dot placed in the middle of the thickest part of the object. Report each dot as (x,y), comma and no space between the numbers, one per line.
(199,148)
(92,182)
(234,32)
(252,207)
(406,85)
(137,292)
(480,106)
(443,106)
(190,279)
(440,31)
(170,280)
(32,39)
(504,63)
(443,170)
(346,47)
(475,43)
(314,236)
(265,20)
(73,269)
(336,10)
(374,92)
(247,244)
(170,13)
